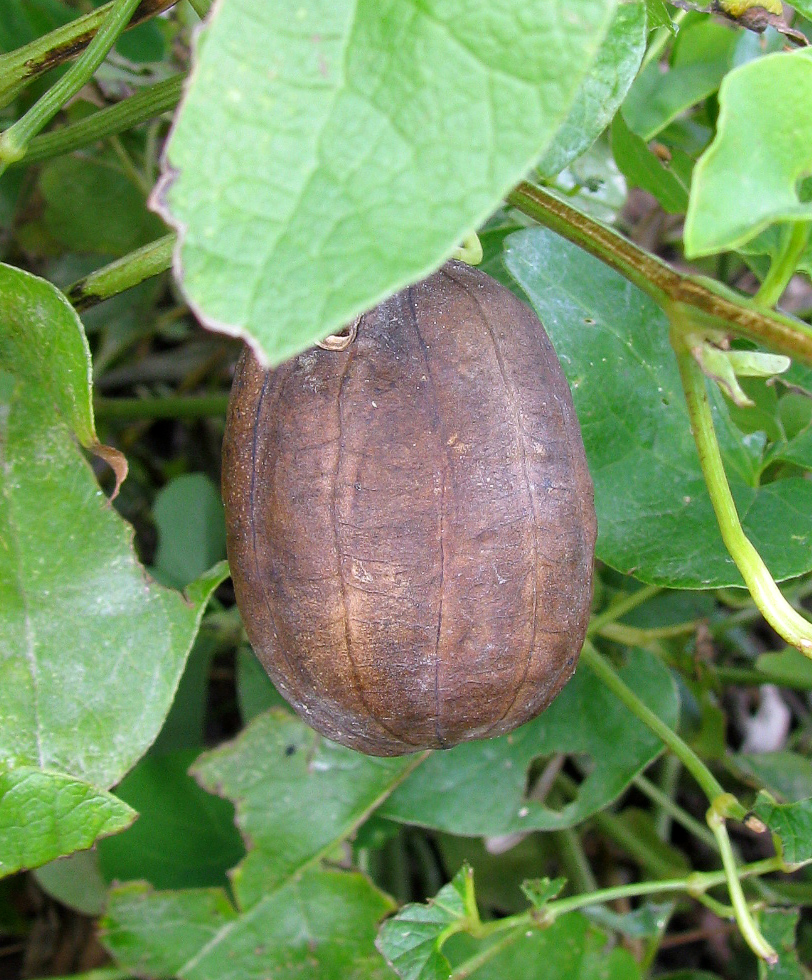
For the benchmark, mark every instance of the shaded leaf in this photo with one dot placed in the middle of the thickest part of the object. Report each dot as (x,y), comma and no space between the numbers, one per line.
(648,920)
(643,169)
(92,206)
(364,140)
(789,666)
(183,838)
(446,792)
(75,881)
(44,815)
(412,940)
(764,134)
(602,90)
(791,823)
(655,518)
(191,529)
(784,774)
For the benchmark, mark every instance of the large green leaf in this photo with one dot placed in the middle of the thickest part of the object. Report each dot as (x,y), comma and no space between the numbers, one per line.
(602,90)
(349,144)
(764,138)
(297,798)
(480,787)
(655,518)
(44,815)
(90,650)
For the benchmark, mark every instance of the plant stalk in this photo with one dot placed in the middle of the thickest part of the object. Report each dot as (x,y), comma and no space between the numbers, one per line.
(18,68)
(123,274)
(14,141)
(707,781)
(695,884)
(144,105)
(774,607)
(747,926)
(674,292)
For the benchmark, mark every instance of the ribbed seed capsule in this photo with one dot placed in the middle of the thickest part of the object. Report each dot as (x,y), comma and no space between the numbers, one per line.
(411,526)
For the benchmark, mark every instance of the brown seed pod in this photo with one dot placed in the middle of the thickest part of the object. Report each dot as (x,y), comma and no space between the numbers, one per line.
(411,526)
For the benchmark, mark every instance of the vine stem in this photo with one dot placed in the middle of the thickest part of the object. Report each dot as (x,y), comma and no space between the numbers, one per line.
(145,104)
(514,926)
(15,139)
(788,623)
(741,909)
(697,768)
(18,68)
(129,271)
(673,291)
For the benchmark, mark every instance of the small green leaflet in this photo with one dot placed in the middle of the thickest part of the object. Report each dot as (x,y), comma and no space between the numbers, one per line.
(791,823)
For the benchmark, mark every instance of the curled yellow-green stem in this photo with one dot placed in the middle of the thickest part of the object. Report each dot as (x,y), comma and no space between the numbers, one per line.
(788,623)
(470,251)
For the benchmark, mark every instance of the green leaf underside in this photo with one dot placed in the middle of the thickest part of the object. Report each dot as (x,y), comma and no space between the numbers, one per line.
(364,140)
(764,135)
(446,792)
(643,169)
(93,650)
(45,815)
(602,90)
(655,518)
(791,823)
(412,940)
(297,796)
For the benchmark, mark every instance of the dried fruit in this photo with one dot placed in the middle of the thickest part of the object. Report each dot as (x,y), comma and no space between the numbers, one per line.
(410,521)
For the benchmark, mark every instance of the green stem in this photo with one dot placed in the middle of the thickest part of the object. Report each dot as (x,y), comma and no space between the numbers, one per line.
(15,140)
(783,266)
(574,863)
(661,38)
(669,289)
(621,606)
(123,274)
(633,636)
(171,407)
(696,883)
(707,781)
(146,104)
(750,677)
(767,596)
(18,68)
(747,926)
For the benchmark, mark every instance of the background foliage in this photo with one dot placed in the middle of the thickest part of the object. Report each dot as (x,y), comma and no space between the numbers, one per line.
(324,155)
